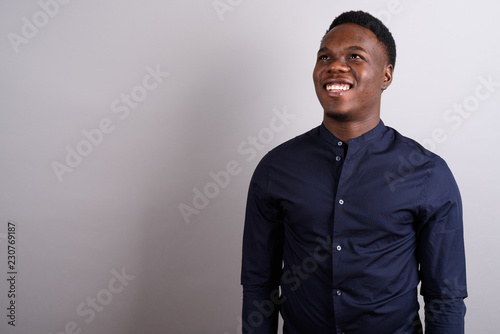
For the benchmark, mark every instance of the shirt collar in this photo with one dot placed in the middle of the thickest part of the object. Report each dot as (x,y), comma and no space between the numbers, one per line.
(375,133)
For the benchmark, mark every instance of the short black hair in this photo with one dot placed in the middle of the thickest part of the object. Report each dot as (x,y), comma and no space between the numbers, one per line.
(373,24)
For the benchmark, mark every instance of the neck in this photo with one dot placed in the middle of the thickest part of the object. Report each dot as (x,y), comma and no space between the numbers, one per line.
(346,130)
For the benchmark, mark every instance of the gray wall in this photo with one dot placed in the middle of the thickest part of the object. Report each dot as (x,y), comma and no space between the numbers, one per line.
(116,115)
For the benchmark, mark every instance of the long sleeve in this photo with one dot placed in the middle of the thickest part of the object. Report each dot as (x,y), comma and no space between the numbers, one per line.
(262,256)
(441,253)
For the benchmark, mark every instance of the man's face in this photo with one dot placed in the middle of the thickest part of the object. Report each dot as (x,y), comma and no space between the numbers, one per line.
(351,72)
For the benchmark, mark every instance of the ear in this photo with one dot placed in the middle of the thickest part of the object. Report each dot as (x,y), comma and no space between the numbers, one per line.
(389,69)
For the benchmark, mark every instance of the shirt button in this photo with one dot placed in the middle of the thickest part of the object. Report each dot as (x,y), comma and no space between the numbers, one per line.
(338,158)
(341,201)
(339,143)
(339,248)
(339,292)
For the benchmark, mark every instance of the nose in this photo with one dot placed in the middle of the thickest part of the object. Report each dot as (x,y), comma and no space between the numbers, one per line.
(338,65)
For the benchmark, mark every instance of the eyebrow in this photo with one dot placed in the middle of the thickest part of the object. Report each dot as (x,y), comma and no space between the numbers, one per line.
(350,48)
(323,49)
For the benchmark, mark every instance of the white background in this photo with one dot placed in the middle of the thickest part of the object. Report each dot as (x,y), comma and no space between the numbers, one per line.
(118,210)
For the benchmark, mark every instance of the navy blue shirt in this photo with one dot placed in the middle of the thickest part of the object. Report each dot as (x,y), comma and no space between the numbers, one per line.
(338,236)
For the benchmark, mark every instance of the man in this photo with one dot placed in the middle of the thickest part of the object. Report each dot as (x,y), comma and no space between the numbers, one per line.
(349,217)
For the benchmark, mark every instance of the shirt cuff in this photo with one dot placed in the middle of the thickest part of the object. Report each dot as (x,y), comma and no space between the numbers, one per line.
(444,316)
(260,309)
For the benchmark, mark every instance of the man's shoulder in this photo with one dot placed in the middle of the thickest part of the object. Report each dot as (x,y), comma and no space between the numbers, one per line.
(291,151)
(408,144)
(416,153)
(302,141)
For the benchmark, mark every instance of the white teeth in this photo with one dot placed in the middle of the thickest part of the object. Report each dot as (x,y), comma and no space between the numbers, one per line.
(337,86)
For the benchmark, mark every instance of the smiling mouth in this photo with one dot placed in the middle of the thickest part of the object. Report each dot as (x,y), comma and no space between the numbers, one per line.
(337,87)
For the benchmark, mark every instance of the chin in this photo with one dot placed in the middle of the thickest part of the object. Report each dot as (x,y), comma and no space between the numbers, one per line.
(338,116)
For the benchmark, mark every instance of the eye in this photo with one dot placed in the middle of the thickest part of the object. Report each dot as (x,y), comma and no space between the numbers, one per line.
(323,57)
(355,56)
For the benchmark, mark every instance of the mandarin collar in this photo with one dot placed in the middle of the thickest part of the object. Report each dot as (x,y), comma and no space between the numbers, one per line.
(375,133)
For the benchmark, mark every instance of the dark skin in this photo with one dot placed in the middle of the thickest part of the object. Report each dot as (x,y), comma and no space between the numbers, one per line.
(351,56)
